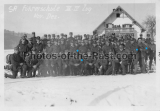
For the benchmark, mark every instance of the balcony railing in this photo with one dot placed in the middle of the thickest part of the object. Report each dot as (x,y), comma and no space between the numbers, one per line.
(120,29)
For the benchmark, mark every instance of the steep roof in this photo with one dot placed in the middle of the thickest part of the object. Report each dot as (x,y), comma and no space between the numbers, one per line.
(129,16)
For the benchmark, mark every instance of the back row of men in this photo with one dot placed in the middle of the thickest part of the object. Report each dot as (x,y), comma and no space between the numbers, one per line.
(28,66)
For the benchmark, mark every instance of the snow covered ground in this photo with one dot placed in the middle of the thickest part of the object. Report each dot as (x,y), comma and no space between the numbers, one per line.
(128,90)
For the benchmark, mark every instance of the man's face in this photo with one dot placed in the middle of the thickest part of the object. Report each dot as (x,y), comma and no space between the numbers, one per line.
(72,44)
(107,43)
(121,47)
(49,44)
(132,42)
(70,34)
(16,51)
(38,41)
(139,41)
(23,41)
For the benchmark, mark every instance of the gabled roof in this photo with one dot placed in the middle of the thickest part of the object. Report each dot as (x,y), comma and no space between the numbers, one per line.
(129,16)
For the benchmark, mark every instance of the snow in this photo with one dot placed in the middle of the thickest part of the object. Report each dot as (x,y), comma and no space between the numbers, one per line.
(79,91)
(129,90)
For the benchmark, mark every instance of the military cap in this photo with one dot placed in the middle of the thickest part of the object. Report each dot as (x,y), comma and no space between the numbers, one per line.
(62,34)
(113,33)
(33,32)
(49,35)
(122,45)
(45,35)
(38,38)
(70,32)
(53,35)
(57,35)
(139,38)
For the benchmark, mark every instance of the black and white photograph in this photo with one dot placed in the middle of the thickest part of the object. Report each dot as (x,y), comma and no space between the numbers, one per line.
(80,54)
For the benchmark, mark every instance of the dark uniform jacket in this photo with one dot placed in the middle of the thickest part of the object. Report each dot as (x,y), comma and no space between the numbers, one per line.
(33,39)
(31,61)
(38,47)
(16,60)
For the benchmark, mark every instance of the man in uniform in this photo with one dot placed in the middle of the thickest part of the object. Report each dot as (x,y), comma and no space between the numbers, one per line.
(152,54)
(94,51)
(25,38)
(16,63)
(123,60)
(49,50)
(33,38)
(23,48)
(55,62)
(83,50)
(141,51)
(70,38)
(30,44)
(49,37)
(72,50)
(32,64)
(45,40)
(38,46)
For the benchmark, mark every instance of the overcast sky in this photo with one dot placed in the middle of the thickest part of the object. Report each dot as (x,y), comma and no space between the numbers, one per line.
(84,20)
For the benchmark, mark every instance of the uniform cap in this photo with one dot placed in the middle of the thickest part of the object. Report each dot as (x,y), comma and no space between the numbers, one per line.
(70,32)
(33,32)
(53,35)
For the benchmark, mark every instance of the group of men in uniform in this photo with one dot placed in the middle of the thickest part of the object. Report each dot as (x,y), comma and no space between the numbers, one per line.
(23,61)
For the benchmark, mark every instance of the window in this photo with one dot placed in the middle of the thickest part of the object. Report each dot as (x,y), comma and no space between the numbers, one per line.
(118,15)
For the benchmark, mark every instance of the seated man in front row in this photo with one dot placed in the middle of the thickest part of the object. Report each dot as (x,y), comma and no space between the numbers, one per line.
(32,63)
(16,64)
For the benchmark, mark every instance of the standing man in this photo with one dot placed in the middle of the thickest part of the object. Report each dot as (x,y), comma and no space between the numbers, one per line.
(33,38)
(38,46)
(23,48)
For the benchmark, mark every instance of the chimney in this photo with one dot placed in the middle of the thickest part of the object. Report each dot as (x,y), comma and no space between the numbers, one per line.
(113,10)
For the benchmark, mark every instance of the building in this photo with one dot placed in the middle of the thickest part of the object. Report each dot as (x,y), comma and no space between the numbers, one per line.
(120,23)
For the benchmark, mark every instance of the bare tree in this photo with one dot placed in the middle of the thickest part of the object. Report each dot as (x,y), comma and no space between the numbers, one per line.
(150,25)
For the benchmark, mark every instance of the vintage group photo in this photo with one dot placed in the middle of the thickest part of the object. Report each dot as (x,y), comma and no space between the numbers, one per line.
(80,55)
